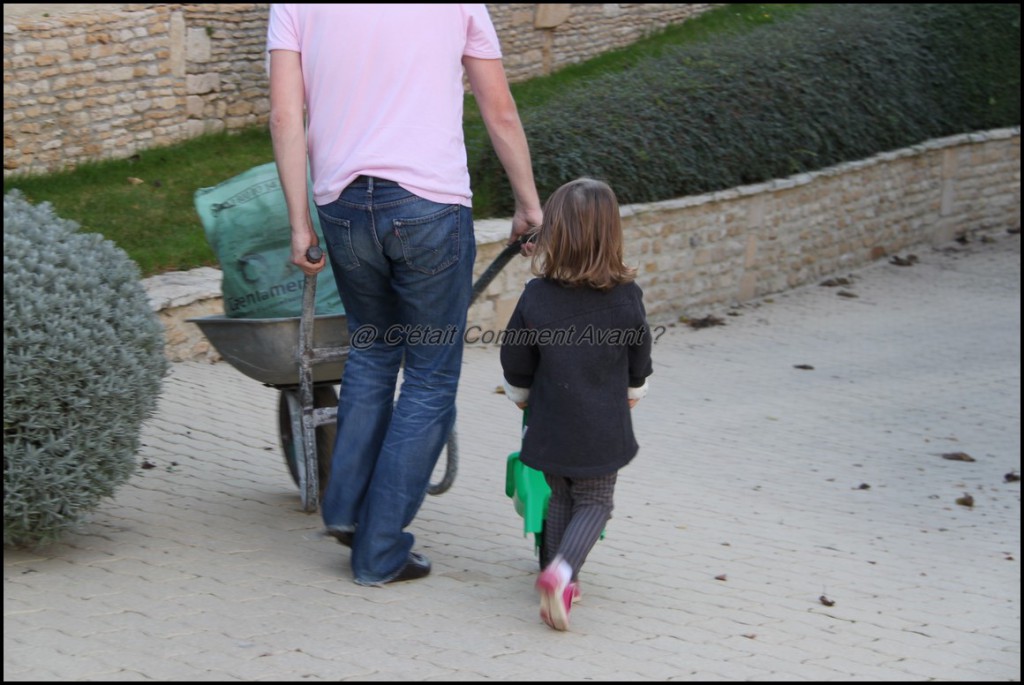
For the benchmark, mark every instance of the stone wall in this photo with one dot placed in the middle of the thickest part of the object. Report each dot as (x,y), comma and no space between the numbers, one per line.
(85,82)
(701,253)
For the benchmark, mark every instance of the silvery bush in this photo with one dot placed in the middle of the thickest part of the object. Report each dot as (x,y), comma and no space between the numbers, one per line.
(83,367)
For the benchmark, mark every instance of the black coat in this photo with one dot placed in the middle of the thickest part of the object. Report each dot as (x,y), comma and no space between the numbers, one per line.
(578,350)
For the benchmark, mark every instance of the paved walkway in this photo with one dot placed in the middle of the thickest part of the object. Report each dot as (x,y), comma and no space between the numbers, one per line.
(779,523)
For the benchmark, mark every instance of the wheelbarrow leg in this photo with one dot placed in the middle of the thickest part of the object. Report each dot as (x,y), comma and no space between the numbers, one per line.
(289,415)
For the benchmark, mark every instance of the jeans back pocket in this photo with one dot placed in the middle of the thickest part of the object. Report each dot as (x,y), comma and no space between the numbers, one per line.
(430,244)
(338,236)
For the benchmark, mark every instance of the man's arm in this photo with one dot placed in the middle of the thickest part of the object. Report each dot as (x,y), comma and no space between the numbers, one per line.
(498,109)
(288,133)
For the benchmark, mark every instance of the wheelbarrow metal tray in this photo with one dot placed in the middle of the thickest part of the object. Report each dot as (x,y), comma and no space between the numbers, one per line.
(267,349)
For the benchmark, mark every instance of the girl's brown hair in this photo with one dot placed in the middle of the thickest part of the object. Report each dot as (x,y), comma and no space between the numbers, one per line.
(580,241)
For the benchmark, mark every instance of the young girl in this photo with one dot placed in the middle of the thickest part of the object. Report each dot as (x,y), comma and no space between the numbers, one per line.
(577,351)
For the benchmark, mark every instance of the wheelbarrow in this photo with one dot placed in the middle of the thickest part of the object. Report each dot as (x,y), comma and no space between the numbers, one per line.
(303,357)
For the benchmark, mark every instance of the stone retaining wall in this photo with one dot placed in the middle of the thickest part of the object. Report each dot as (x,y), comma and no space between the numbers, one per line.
(706,252)
(84,82)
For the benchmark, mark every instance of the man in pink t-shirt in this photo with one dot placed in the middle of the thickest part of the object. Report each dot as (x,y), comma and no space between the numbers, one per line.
(370,98)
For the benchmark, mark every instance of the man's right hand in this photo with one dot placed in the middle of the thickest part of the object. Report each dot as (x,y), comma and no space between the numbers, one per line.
(302,242)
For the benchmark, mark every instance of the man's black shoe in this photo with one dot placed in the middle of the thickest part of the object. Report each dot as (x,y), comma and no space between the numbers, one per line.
(342,536)
(416,567)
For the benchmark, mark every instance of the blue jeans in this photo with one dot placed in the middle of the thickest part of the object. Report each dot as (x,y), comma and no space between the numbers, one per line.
(404,269)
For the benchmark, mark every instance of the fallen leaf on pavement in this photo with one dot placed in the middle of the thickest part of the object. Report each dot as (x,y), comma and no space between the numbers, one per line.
(833,282)
(900,261)
(707,321)
(958,456)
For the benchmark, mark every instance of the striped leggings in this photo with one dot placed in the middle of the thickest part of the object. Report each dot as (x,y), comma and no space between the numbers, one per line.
(578,511)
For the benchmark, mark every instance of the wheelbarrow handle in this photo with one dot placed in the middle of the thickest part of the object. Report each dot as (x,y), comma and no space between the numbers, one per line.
(314,254)
(498,264)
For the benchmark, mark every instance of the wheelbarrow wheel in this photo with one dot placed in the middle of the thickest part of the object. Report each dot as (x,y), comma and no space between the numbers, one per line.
(451,466)
(288,406)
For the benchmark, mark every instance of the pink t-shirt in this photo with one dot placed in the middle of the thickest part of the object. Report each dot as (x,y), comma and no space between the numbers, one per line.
(384,91)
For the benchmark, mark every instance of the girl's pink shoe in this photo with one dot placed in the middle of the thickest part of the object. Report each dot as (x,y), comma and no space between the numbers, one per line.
(556,598)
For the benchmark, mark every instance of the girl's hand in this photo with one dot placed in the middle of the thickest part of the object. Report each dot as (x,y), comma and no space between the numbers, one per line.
(632,403)
(521,405)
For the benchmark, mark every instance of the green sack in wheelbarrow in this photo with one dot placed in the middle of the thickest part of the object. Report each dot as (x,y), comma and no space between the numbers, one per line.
(246,223)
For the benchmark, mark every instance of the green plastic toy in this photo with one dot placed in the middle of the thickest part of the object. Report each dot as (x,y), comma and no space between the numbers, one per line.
(529,492)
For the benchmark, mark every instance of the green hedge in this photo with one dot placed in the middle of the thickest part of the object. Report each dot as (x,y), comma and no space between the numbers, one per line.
(832,84)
